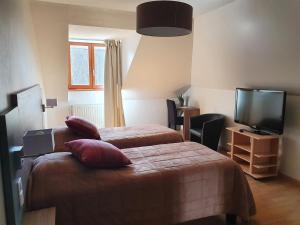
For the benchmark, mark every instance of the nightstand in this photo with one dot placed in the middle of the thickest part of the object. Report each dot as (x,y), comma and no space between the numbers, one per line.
(40,217)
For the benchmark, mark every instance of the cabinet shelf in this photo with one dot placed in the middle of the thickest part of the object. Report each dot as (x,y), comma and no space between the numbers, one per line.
(243,157)
(265,166)
(265,155)
(262,175)
(245,147)
(246,170)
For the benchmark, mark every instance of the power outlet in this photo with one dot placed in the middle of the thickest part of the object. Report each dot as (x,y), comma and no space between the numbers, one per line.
(20,191)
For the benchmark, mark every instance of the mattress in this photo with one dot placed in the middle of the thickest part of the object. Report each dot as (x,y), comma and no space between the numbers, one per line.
(166,184)
(124,137)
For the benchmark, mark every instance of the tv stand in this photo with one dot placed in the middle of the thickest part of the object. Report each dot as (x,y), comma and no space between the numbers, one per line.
(256,154)
(254,131)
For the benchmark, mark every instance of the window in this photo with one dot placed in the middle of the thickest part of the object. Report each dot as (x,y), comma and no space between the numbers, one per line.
(86,66)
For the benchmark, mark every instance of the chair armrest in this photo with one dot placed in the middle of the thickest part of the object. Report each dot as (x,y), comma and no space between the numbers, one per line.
(212,131)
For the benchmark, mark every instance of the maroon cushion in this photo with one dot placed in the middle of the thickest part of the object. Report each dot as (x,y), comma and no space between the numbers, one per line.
(82,127)
(97,154)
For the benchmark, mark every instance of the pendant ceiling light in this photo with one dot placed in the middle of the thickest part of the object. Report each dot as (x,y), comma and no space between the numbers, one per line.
(164,18)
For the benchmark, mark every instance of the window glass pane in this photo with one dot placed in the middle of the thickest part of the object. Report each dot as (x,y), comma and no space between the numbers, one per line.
(79,65)
(99,59)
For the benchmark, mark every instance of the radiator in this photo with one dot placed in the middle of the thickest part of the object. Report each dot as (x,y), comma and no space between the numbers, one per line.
(91,112)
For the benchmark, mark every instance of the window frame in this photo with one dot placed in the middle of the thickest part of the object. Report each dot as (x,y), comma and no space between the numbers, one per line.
(92,80)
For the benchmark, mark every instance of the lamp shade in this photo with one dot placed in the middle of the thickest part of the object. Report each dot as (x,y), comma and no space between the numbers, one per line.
(164,18)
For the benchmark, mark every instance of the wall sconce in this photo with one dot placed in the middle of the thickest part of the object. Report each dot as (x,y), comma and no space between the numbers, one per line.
(50,104)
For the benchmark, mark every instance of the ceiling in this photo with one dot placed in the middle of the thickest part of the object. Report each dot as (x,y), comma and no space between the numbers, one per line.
(200,6)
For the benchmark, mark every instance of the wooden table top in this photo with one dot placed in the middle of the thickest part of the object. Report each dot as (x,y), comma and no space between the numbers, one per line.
(255,136)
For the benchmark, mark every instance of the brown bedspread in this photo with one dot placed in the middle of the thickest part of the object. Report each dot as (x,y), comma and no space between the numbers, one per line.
(124,137)
(166,184)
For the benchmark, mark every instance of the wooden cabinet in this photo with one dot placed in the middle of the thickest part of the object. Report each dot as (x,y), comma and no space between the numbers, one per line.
(257,154)
(40,217)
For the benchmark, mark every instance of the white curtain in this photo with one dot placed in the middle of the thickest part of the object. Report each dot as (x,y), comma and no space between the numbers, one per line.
(113,106)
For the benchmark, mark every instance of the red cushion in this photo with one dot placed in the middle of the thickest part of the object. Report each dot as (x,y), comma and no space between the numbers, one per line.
(82,127)
(97,154)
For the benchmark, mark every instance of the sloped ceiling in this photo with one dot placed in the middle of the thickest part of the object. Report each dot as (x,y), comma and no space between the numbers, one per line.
(200,6)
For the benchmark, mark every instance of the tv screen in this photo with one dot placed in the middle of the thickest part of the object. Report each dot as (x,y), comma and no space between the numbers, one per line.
(262,110)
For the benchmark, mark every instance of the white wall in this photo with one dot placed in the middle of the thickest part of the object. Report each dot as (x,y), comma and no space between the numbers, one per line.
(85,97)
(158,68)
(250,44)
(145,111)
(129,47)
(51,24)
(19,66)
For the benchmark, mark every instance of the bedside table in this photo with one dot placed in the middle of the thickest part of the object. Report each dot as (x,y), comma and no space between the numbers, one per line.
(40,217)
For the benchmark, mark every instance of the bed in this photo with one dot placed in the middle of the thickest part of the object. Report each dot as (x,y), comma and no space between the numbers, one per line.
(124,137)
(166,184)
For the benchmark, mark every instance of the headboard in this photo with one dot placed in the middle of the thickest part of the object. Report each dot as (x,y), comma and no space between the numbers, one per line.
(24,114)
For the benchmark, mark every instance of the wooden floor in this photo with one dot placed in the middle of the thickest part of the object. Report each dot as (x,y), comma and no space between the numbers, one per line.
(277,201)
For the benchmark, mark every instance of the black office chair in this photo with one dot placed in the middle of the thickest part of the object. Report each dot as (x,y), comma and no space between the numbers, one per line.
(173,119)
(206,129)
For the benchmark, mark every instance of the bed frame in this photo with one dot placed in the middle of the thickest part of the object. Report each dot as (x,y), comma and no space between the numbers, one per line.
(25,113)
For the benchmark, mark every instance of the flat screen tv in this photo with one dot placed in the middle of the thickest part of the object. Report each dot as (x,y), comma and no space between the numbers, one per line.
(262,110)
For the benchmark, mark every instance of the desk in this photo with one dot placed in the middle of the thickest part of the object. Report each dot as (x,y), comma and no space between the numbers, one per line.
(188,112)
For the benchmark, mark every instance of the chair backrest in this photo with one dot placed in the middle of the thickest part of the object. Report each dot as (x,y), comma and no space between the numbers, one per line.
(212,116)
(198,121)
(172,113)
